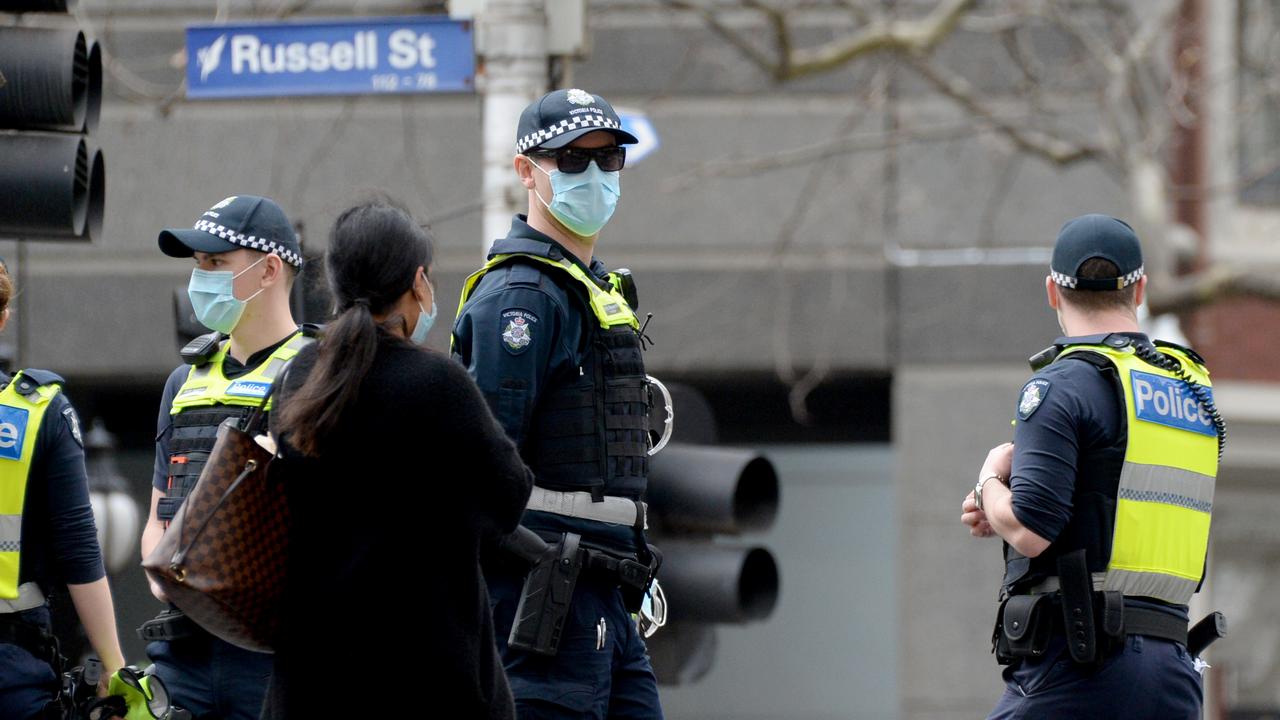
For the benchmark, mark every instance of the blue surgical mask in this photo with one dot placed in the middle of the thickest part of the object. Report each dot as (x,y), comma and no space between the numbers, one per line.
(425,321)
(213,298)
(583,202)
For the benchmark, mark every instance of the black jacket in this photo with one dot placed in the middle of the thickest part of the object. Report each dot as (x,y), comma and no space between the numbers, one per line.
(385,604)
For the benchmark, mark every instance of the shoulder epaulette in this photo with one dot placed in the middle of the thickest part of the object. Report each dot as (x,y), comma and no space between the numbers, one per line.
(32,379)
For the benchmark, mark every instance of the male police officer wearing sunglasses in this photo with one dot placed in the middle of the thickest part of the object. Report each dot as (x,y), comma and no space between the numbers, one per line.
(1103,501)
(553,341)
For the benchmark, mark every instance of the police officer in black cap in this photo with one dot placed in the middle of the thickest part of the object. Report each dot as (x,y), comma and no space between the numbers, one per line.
(553,341)
(1103,501)
(246,258)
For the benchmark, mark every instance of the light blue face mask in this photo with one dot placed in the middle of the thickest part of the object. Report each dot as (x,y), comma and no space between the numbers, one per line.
(213,298)
(425,321)
(583,202)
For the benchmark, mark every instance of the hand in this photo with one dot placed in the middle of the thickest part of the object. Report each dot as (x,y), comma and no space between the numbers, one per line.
(103,683)
(974,518)
(157,590)
(999,461)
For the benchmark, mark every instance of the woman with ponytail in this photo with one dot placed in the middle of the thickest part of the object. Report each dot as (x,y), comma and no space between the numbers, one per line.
(396,474)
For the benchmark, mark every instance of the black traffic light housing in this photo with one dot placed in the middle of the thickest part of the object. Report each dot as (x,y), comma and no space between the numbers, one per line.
(697,494)
(52,176)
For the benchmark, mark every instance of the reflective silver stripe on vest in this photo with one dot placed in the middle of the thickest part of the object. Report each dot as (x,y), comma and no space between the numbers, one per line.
(1168,588)
(1052,584)
(10,533)
(1168,485)
(29,596)
(619,511)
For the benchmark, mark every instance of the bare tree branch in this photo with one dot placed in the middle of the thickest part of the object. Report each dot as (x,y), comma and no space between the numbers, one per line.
(844,145)
(1057,150)
(910,36)
(1114,60)
(728,34)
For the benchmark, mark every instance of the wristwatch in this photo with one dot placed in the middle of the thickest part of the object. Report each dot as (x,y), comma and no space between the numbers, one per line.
(977,489)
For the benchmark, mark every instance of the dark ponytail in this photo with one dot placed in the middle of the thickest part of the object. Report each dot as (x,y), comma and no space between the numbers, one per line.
(375,249)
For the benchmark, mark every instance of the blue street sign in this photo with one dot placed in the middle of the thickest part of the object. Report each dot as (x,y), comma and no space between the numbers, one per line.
(340,57)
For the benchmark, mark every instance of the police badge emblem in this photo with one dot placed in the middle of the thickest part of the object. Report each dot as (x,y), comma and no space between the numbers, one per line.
(517,333)
(73,424)
(580,97)
(1033,393)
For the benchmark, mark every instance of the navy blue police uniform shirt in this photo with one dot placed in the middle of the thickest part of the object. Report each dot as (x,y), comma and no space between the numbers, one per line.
(59,536)
(231,368)
(1078,422)
(522,331)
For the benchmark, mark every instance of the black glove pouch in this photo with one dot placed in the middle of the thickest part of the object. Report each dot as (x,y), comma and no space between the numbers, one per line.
(1023,627)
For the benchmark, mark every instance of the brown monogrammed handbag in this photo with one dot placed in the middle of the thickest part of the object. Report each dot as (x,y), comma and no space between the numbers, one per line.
(222,558)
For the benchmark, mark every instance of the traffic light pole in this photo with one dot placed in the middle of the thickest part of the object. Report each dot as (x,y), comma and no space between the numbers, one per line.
(512,42)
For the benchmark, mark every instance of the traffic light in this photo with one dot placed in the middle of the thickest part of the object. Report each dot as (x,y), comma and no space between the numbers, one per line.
(697,494)
(52,177)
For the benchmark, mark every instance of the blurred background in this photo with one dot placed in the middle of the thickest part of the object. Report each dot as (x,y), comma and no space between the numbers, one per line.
(841,222)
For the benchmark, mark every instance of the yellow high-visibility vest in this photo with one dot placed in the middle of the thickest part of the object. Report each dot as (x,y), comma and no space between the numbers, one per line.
(20,419)
(206,384)
(609,307)
(1165,497)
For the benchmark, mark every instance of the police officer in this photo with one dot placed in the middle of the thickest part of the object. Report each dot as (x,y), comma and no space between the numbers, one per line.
(554,344)
(246,256)
(47,536)
(1102,500)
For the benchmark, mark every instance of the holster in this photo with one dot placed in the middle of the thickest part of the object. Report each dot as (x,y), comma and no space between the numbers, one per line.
(171,624)
(545,599)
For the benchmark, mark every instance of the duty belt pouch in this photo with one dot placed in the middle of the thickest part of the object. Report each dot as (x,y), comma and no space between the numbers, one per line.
(1077,606)
(545,599)
(1023,627)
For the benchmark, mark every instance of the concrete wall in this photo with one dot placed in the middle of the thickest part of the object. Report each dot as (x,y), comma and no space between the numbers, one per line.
(951,415)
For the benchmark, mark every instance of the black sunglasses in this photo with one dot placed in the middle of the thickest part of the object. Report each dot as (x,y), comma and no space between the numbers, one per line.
(575,160)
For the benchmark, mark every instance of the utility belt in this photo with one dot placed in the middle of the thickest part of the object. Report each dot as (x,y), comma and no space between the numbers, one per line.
(553,571)
(1094,622)
(1026,623)
(36,640)
(172,624)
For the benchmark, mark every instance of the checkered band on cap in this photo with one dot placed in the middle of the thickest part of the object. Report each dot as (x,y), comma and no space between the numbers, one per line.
(593,119)
(251,242)
(1065,281)
(1125,281)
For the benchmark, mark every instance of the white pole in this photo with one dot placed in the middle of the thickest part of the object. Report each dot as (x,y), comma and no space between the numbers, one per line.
(514,46)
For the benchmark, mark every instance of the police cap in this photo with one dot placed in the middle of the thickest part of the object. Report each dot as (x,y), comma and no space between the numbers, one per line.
(1096,236)
(240,221)
(562,116)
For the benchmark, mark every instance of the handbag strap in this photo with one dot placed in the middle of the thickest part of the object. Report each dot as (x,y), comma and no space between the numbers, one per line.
(179,556)
(250,426)
(256,420)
